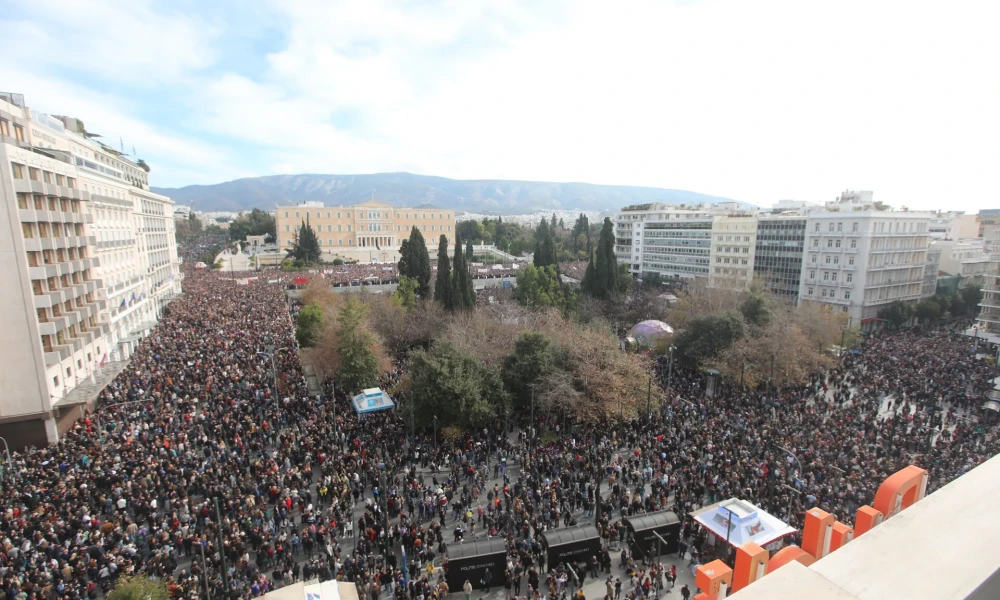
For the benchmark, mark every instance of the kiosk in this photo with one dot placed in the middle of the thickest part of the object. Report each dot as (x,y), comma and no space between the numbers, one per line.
(576,544)
(642,530)
(469,560)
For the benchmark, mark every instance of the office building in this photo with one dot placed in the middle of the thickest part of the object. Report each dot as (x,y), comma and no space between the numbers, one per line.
(932,268)
(969,259)
(734,246)
(858,262)
(673,241)
(778,258)
(84,271)
(369,225)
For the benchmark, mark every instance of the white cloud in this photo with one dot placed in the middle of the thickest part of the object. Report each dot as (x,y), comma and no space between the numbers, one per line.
(124,41)
(755,100)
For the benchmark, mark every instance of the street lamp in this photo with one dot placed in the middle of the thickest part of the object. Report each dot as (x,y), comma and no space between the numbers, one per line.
(6,448)
(790,498)
(271,351)
(790,453)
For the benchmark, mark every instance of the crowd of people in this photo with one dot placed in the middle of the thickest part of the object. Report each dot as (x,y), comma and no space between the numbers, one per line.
(213,473)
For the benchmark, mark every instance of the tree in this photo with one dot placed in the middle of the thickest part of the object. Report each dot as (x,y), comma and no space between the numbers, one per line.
(305,245)
(358,365)
(406,292)
(898,313)
(755,310)
(540,287)
(470,255)
(928,310)
(455,387)
(256,222)
(545,249)
(414,261)
(603,278)
(706,336)
(531,360)
(309,325)
(580,237)
(139,587)
(462,295)
(972,295)
(442,285)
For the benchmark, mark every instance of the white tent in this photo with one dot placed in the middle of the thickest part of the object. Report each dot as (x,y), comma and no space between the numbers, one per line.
(373,399)
(746,523)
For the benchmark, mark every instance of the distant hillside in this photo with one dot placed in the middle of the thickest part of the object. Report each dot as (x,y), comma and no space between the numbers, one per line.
(406,189)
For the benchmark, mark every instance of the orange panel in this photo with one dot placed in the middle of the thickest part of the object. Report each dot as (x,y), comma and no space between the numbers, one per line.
(788,554)
(867,519)
(711,577)
(900,490)
(841,535)
(816,532)
(751,562)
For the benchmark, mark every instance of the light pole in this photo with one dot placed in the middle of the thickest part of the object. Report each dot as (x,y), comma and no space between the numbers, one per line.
(790,498)
(6,449)
(435,432)
(649,399)
(271,352)
(204,568)
(532,425)
(222,545)
(790,453)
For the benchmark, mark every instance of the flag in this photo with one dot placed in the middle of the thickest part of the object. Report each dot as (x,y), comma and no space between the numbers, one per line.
(122,305)
(104,360)
(121,144)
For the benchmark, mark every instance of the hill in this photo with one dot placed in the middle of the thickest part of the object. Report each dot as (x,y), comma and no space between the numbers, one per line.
(406,189)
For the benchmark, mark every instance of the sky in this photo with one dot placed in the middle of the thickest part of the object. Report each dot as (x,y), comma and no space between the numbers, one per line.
(754,100)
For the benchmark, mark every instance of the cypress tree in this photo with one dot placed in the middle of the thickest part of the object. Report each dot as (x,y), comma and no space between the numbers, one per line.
(442,285)
(415,262)
(462,295)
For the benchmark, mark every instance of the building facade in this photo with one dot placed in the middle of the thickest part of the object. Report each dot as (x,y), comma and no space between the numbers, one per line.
(969,259)
(734,246)
(75,275)
(931,269)
(858,262)
(369,224)
(778,258)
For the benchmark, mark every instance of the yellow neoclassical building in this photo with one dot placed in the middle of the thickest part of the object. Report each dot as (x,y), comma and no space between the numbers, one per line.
(370,224)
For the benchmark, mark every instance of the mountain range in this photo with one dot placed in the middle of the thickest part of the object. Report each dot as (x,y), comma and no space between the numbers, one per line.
(494,196)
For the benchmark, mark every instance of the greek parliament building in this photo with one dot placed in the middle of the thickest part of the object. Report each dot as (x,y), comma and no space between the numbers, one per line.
(88,260)
(368,225)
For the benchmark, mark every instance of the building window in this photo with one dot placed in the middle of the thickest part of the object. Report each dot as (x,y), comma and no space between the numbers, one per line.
(19,133)
(349,230)
(815,243)
(829,243)
(850,261)
(810,292)
(286,227)
(286,213)
(847,295)
(340,242)
(4,129)
(55,380)
(826,276)
(833,277)
(840,226)
(850,277)
(854,243)
(339,227)
(812,274)
(296,214)
(817,229)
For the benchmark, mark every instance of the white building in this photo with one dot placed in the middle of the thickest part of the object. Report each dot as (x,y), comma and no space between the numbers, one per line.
(76,278)
(673,241)
(734,247)
(970,259)
(931,268)
(953,225)
(860,261)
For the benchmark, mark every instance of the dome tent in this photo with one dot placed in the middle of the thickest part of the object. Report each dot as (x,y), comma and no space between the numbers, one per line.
(647,333)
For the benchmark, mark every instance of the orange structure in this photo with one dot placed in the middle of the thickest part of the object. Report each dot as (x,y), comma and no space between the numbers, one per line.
(821,535)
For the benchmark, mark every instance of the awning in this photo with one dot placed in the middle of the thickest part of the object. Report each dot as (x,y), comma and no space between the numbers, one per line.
(745,522)
(992,405)
(373,399)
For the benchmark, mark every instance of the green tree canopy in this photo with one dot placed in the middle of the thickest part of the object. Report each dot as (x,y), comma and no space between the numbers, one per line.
(305,245)
(603,277)
(139,587)
(454,386)
(463,297)
(415,262)
(540,287)
(755,310)
(898,313)
(545,244)
(972,295)
(309,325)
(532,359)
(256,222)
(707,336)
(442,283)
(358,367)
(928,309)
(406,292)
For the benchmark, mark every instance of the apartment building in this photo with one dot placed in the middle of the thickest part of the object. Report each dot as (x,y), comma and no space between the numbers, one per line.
(858,261)
(969,259)
(76,277)
(779,252)
(674,241)
(368,225)
(734,247)
(931,270)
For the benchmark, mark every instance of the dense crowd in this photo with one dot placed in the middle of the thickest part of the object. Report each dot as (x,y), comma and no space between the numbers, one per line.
(205,469)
